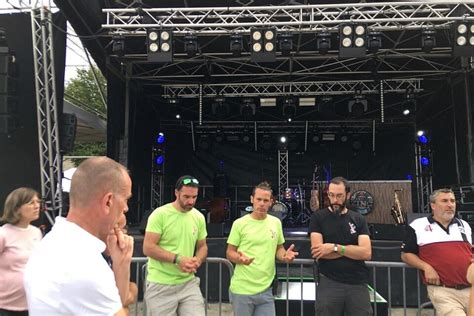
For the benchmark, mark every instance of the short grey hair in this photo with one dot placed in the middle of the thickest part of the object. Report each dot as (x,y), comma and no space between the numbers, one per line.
(435,193)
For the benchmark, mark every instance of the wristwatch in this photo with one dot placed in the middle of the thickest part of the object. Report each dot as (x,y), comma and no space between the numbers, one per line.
(335,248)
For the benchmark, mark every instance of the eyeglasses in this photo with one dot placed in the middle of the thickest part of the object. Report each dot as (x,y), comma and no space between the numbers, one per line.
(339,196)
(189,180)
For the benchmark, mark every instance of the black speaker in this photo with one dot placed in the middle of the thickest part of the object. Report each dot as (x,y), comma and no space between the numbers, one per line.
(67,132)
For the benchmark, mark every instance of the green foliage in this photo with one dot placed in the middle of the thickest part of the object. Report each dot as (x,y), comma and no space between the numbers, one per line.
(83,91)
(88,149)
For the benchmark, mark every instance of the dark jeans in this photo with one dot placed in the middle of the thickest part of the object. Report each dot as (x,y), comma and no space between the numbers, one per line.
(4,312)
(339,299)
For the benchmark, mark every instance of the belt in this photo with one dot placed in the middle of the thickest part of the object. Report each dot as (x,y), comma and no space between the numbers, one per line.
(457,286)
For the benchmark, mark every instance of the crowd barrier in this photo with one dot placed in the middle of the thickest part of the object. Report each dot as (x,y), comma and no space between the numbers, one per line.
(299,276)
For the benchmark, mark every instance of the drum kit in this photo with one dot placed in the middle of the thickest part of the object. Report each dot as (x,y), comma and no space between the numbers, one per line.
(291,208)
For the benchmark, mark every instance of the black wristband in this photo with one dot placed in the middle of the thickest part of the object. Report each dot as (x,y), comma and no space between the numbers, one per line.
(175,259)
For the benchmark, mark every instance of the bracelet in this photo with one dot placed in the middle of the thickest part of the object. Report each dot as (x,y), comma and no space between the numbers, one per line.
(176,259)
(343,249)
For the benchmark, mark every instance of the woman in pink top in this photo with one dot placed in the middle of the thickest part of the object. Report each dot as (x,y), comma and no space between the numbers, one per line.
(17,240)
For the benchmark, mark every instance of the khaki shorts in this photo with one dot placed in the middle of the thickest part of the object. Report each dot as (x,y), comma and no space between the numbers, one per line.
(171,300)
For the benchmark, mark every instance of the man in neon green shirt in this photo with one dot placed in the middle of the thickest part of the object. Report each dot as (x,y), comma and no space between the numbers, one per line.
(175,244)
(254,242)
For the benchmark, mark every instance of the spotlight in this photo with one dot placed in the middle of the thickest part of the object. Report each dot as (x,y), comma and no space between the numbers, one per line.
(289,108)
(220,136)
(236,44)
(344,138)
(173,100)
(262,43)
(463,41)
(204,142)
(285,43)
(428,40)
(246,136)
(247,108)
(374,41)
(178,116)
(190,45)
(409,105)
(159,45)
(357,106)
(352,40)
(160,139)
(118,45)
(323,42)
(283,139)
(160,160)
(220,110)
(316,138)
(423,139)
(425,161)
(266,142)
(420,133)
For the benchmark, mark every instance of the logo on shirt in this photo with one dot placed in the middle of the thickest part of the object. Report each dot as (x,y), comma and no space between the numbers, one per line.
(195,230)
(273,233)
(428,228)
(352,228)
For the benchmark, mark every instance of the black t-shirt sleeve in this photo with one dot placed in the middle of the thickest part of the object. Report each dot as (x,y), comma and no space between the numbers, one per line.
(314,224)
(362,227)
(409,242)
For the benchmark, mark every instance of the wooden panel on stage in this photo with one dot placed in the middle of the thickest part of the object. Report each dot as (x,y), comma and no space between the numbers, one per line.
(383,195)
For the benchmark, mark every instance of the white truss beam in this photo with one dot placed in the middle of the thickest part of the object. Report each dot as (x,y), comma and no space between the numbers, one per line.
(47,116)
(383,16)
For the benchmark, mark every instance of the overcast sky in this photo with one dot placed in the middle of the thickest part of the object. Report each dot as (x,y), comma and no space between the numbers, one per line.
(75,55)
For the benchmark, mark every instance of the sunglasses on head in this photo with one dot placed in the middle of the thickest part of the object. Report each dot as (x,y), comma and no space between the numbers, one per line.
(189,180)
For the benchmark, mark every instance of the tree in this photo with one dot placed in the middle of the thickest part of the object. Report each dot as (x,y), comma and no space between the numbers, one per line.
(83,92)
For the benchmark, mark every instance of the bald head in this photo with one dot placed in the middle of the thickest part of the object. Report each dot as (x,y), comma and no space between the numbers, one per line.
(93,178)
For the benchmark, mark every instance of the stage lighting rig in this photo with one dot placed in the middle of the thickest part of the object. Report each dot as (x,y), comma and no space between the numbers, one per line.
(262,44)
(118,45)
(159,46)
(374,41)
(428,40)
(323,42)
(463,41)
(236,44)
(352,40)
(285,43)
(191,45)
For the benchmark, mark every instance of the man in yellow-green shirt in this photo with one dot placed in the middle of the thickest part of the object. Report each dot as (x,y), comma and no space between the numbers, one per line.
(175,244)
(254,242)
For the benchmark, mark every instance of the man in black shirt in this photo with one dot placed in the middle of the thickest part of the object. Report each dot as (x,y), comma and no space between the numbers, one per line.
(340,243)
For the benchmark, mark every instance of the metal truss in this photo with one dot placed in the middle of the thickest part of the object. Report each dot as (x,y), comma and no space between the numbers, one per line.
(157,186)
(383,16)
(291,88)
(424,178)
(402,62)
(49,154)
(282,170)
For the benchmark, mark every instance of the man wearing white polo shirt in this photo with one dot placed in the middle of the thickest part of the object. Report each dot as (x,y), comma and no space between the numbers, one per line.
(67,274)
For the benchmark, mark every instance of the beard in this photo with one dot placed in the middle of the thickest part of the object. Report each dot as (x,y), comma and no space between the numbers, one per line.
(338,207)
(185,207)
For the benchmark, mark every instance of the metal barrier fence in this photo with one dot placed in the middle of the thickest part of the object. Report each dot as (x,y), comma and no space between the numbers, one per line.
(393,292)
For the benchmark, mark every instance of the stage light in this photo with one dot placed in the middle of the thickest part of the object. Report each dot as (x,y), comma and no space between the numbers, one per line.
(220,136)
(262,44)
(289,108)
(190,45)
(344,138)
(356,145)
(283,139)
(266,142)
(425,161)
(118,45)
(236,44)
(423,139)
(285,43)
(409,104)
(328,137)
(428,40)
(463,39)
(173,100)
(374,41)
(316,138)
(420,133)
(160,139)
(352,40)
(358,105)
(178,116)
(160,159)
(159,45)
(323,42)
(204,142)
(247,108)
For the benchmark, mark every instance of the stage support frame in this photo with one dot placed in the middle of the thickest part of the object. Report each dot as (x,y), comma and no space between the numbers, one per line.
(282,170)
